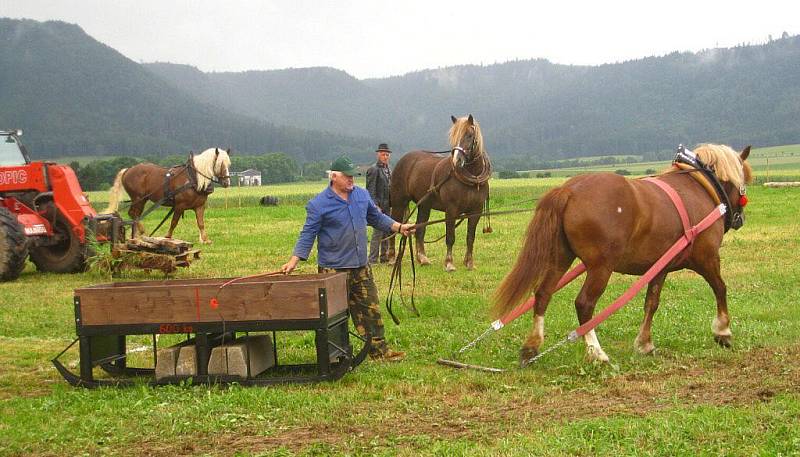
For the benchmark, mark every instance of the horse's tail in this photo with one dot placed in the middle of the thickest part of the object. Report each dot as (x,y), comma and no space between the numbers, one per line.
(115,193)
(543,245)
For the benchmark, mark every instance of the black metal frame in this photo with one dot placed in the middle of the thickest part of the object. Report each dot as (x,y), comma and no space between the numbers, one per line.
(105,346)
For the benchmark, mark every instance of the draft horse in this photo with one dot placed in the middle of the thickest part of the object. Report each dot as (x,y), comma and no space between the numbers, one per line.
(457,185)
(182,187)
(614,224)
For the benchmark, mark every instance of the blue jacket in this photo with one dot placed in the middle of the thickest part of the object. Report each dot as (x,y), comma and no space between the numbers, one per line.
(340,228)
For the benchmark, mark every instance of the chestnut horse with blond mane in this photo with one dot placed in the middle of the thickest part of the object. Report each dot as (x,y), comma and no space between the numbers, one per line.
(182,187)
(614,224)
(456,185)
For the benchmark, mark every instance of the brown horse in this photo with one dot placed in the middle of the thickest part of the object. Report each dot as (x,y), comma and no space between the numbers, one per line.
(456,185)
(614,224)
(186,187)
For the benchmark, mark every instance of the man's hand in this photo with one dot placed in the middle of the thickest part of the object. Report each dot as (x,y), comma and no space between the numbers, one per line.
(407,229)
(289,266)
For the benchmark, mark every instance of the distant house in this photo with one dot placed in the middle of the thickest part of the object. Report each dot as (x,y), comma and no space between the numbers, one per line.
(249,177)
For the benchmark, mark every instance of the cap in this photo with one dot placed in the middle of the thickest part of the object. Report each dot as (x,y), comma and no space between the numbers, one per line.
(344,165)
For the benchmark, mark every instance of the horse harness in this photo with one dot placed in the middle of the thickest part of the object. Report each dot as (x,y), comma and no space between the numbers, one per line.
(688,161)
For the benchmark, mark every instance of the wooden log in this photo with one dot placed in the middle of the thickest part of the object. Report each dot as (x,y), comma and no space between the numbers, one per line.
(782,184)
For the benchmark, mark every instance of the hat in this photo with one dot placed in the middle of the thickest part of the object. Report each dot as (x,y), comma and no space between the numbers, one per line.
(344,165)
(383,147)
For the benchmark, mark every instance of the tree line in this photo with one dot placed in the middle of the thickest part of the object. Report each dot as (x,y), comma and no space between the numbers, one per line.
(275,167)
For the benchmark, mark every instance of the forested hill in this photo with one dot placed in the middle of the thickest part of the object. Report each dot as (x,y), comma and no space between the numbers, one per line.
(75,96)
(534,108)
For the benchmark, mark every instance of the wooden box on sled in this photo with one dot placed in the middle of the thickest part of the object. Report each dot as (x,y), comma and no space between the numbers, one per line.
(106,314)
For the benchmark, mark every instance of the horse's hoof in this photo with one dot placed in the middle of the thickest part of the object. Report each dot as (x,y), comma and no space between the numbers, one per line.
(449,268)
(423,260)
(723,340)
(469,265)
(526,354)
(646,349)
(595,354)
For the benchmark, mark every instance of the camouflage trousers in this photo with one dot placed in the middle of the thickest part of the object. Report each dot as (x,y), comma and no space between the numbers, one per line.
(362,300)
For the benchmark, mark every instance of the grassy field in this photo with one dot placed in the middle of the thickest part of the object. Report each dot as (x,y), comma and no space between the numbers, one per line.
(691,397)
(778,163)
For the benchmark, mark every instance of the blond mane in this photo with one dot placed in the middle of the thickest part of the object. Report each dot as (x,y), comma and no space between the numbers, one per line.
(725,162)
(460,128)
(209,165)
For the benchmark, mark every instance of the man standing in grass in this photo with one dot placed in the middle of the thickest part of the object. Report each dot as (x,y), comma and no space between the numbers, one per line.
(337,218)
(379,178)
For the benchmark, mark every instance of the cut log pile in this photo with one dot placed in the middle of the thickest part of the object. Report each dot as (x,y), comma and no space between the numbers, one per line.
(155,253)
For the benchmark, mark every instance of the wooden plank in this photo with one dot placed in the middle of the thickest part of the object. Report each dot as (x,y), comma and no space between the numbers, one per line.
(184,301)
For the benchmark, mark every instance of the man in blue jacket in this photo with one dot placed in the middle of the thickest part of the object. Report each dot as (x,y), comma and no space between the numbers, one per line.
(337,218)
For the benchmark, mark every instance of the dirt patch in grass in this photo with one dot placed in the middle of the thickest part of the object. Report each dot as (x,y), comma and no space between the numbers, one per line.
(755,376)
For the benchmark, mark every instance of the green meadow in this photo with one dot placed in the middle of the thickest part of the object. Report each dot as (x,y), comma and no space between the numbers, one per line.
(690,397)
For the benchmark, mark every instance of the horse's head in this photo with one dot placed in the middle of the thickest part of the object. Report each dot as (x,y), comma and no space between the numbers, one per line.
(212,165)
(466,140)
(221,164)
(733,172)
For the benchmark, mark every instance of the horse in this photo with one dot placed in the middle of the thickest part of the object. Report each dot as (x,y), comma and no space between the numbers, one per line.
(615,224)
(456,185)
(182,187)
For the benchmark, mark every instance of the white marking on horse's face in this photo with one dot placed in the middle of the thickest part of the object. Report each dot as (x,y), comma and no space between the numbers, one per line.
(719,328)
(619,209)
(593,349)
(456,152)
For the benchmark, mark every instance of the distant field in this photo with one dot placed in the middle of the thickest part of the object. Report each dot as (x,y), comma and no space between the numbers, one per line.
(775,162)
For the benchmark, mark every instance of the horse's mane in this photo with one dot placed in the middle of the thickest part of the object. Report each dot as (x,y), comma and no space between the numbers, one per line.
(204,164)
(726,163)
(460,128)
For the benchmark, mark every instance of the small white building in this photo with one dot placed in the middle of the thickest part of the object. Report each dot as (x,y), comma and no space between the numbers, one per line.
(249,177)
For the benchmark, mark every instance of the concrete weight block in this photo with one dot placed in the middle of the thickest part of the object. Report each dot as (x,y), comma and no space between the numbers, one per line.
(231,359)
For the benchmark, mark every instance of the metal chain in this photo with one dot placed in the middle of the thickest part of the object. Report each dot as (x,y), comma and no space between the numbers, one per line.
(474,342)
(568,339)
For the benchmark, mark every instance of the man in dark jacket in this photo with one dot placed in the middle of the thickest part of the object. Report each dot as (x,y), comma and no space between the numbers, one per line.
(379,178)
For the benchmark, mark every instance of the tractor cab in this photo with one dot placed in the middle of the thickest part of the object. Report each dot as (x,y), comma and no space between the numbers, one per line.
(12,152)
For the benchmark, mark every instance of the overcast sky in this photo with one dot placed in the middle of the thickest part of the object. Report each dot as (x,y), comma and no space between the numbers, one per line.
(383,38)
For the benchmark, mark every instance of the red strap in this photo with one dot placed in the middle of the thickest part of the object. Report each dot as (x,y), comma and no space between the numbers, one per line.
(676,200)
(662,262)
(522,308)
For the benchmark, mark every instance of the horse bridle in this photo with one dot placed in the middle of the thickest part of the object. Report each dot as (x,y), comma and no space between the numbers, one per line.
(734,217)
(214,179)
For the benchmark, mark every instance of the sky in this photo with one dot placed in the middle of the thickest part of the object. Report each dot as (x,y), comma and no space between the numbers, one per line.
(377,38)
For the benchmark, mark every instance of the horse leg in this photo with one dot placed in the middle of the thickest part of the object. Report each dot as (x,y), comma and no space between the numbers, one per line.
(472,224)
(134,212)
(198,212)
(593,288)
(450,239)
(643,342)
(423,214)
(176,216)
(543,294)
(710,271)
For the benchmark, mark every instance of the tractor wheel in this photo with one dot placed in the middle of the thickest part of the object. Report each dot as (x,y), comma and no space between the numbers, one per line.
(68,255)
(13,246)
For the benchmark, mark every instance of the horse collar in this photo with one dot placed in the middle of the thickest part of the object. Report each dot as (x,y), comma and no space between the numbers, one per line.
(685,157)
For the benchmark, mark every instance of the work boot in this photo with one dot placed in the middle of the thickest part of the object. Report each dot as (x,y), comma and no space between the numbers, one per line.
(388,355)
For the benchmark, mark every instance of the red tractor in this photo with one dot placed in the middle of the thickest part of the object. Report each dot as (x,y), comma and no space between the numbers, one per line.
(43,213)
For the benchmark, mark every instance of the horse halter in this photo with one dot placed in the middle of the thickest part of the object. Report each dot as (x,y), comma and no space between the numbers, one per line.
(468,158)
(734,217)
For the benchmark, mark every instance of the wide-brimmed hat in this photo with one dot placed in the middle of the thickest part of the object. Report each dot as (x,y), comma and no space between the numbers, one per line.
(344,165)
(383,147)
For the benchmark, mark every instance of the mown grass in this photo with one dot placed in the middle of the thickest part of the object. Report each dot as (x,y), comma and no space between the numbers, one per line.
(690,397)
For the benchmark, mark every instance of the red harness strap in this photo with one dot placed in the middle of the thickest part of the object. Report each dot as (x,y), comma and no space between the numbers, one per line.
(662,262)
(676,200)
